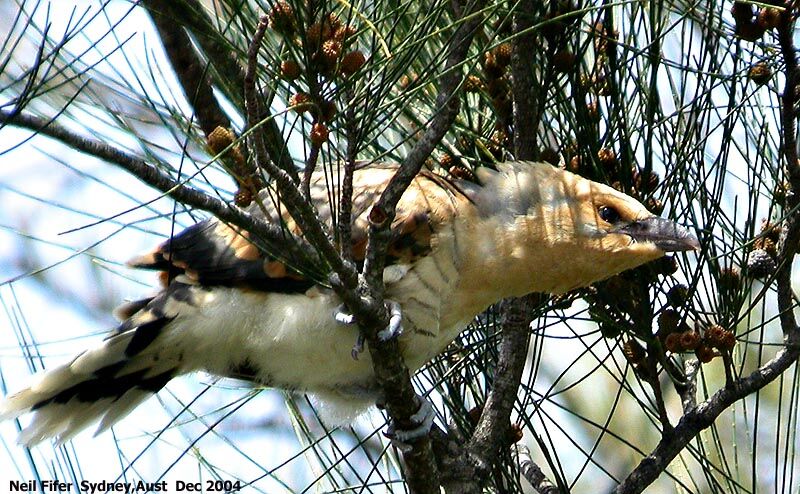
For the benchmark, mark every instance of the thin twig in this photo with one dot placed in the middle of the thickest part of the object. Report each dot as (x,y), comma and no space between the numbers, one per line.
(789,96)
(257,131)
(688,391)
(651,378)
(727,363)
(787,244)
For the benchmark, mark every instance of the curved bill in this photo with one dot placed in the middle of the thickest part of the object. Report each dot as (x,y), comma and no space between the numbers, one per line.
(665,234)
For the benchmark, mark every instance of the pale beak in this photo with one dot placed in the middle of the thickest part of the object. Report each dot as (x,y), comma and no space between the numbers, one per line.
(667,235)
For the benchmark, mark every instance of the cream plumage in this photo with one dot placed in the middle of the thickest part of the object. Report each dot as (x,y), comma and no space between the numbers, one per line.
(230,309)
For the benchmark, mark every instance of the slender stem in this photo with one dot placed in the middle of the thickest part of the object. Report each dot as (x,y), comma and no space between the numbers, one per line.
(257,130)
(787,244)
(446,109)
(651,378)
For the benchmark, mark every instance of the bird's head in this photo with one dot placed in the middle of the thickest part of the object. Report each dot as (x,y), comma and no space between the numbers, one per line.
(569,231)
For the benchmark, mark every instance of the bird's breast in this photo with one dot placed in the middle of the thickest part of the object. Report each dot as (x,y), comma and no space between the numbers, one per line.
(292,341)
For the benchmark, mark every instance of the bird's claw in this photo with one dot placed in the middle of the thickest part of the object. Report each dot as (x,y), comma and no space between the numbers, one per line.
(341,315)
(358,347)
(395,327)
(423,418)
(393,330)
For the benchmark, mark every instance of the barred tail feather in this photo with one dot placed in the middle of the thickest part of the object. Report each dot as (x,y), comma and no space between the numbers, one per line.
(104,383)
(61,421)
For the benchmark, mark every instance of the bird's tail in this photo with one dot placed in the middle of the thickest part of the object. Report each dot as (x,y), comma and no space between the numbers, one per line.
(105,382)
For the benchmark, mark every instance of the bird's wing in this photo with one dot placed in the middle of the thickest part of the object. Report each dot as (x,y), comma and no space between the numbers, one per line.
(213,253)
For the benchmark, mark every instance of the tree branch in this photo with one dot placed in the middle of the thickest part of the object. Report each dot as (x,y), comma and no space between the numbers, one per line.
(703,416)
(494,421)
(474,461)
(194,78)
(492,428)
(532,473)
(790,235)
(392,374)
(191,71)
(255,125)
(344,226)
(523,82)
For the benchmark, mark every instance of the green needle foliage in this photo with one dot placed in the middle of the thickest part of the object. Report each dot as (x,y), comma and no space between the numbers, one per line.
(688,106)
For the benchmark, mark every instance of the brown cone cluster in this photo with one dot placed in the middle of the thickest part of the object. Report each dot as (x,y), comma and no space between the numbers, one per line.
(325,51)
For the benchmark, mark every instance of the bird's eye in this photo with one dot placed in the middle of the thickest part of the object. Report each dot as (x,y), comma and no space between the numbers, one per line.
(609,214)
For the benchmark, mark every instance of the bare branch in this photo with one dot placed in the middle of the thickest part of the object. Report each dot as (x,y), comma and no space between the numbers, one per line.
(308,171)
(787,245)
(689,391)
(523,83)
(494,422)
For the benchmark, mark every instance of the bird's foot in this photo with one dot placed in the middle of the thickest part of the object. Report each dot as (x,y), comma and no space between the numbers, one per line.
(423,420)
(341,315)
(393,330)
(395,327)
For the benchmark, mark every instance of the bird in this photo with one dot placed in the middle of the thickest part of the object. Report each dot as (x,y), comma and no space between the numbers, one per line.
(229,307)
